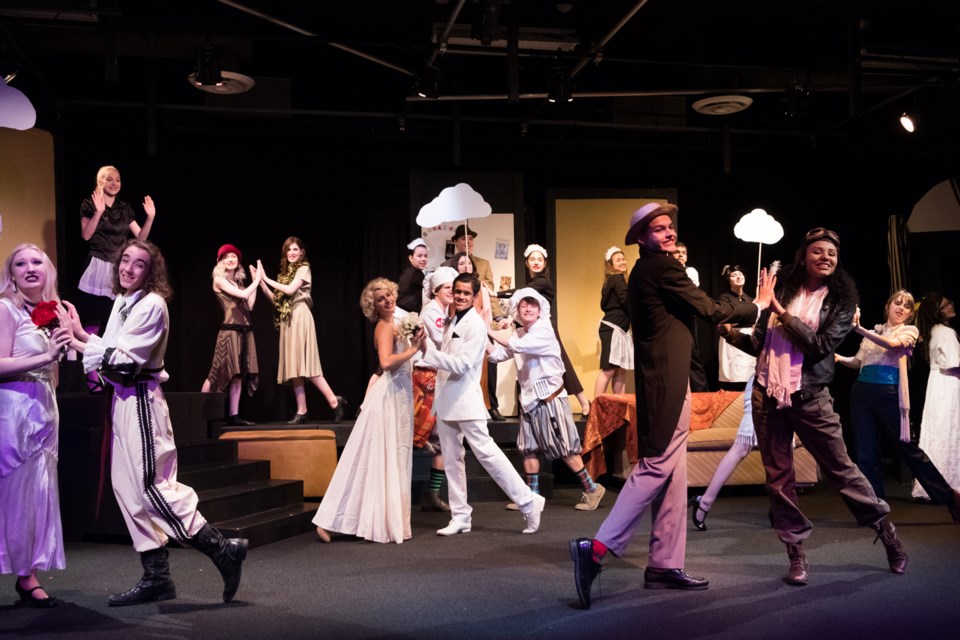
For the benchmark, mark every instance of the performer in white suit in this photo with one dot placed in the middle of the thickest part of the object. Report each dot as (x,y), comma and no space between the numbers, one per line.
(461,413)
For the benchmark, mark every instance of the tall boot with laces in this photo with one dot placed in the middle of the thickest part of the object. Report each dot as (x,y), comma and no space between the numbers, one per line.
(155,584)
(887,534)
(227,554)
(797,574)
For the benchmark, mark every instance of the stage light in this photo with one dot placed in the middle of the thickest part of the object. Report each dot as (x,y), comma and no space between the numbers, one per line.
(795,99)
(487,26)
(208,67)
(427,84)
(908,122)
(559,86)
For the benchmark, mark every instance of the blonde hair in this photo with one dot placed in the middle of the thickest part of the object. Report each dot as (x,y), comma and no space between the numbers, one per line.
(102,174)
(8,289)
(220,271)
(367,296)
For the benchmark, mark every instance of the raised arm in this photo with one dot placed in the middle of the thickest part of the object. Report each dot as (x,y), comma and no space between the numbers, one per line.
(288,289)
(224,285)
(141,233)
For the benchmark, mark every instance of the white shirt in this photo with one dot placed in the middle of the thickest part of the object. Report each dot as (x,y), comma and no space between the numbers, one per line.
(693,275)
(537,354)
(140,338)
(433,316)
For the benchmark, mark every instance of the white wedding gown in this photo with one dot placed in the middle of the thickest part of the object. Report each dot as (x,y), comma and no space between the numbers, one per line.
(940,428)
(369,494)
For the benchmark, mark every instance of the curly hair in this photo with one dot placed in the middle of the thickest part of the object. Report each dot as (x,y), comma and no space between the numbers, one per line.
(842,288)
(368,294)
(156,281)
(928,316)
(8,288)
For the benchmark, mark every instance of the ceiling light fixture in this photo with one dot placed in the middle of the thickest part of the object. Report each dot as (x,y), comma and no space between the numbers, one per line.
(487,26)
(208,67)
(908,122)
(559,85)
(427,84)
(795,99)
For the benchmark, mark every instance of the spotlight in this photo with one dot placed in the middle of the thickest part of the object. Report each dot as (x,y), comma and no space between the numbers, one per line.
(208,67)
(908,122)
(559,88)
(428,82)
(487,26)
(795,100)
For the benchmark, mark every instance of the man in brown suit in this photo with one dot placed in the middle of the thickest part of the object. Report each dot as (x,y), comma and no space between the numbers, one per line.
(663,302)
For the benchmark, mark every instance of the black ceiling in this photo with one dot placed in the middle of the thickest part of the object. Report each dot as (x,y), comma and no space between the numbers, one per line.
(634,65)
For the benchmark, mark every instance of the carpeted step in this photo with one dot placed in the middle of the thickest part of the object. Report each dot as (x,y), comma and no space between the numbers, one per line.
(224,473)
(194,452)
(271,525)
(226,503)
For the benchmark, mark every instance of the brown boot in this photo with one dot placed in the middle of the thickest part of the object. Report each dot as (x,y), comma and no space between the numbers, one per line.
(797,574)
(887,534)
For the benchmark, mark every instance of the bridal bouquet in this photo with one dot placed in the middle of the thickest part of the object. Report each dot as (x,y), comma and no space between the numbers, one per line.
(409,326)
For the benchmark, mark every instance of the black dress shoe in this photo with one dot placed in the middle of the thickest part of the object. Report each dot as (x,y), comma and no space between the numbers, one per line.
(338,411)
(26,597)
(496,416)
(672,579)
(585,568)
(236,421)
(699,523)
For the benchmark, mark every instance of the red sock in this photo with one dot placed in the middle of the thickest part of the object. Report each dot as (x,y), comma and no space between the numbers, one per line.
(599,550)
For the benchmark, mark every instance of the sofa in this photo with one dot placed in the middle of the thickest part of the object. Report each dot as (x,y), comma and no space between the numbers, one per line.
(610,442)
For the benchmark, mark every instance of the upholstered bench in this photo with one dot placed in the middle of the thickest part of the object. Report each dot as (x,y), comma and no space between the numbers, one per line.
(298,454)
(713,428)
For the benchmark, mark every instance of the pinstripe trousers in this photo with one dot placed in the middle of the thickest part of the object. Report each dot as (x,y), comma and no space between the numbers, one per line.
(144,469)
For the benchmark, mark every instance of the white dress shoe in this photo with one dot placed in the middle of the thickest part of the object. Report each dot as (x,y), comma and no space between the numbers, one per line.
(454,528)
(532,514)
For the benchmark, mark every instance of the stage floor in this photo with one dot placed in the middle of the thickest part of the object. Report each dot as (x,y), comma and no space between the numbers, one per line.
(496,583)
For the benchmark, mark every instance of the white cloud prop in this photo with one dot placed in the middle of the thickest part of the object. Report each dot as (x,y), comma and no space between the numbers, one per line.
(16,111)
(759,226)
(454,204)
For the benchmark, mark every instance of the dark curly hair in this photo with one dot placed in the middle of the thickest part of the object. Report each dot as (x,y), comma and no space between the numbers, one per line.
(156,280)
(843,290)
(928,316)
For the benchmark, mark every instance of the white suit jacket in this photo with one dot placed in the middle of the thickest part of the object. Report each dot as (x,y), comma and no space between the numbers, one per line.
(459,363)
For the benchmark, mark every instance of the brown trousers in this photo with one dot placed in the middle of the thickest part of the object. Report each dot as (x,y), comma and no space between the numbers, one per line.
(813,419)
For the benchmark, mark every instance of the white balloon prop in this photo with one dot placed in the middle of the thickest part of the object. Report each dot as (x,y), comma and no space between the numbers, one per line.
(760,227)
(16,111)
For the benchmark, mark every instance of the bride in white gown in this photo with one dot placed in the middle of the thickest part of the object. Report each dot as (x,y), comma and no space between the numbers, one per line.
(369,494)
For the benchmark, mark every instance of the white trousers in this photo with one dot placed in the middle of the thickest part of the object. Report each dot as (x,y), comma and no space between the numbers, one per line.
(144,469)
(452,434)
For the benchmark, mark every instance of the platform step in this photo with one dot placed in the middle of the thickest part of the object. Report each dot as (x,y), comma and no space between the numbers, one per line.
(226,503)
(272,525)
(195,452)
(226,473)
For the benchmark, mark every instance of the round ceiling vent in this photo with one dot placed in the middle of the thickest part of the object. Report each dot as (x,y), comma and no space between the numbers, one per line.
(722,105)
(233,83)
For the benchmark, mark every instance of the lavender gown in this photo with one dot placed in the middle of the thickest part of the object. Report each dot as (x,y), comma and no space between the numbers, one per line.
(31,538)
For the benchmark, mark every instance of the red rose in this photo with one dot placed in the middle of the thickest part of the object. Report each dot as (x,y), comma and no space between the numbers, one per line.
(45,315)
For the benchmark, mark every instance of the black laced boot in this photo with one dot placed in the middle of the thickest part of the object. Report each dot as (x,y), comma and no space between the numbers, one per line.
(227,554)
(155,583)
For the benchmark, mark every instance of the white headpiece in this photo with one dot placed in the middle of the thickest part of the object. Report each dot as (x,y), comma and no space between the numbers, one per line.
(529,292)
(413,244)
(612,251)
(534,247)
(440,277)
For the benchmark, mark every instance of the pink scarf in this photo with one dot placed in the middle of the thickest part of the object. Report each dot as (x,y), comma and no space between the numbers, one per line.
(781,361)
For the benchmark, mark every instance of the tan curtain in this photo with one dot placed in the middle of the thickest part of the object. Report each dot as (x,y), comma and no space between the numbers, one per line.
(897,253)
